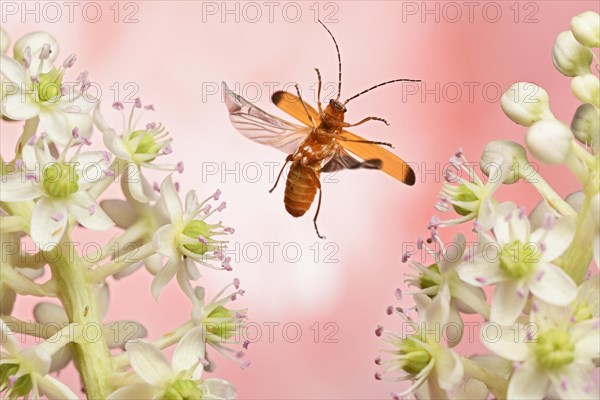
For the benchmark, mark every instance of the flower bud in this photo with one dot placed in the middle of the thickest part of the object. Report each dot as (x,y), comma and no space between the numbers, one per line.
(513,156)
(526,103)
(569,56)
(587,89)
(586,125)
(3,41)
(586,28)
(36,41)
(549,141)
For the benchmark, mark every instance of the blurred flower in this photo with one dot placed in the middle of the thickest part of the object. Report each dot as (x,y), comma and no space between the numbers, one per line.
(587,89)
(4,41)
(586,28)
(513,158)
(569,56)
(523,263)
(137,148)
(526,103)
(114,333)
(36,89)
(586,126)
(179,380)
(422,357)
(60,189)
(188,238)
(587,303)
(555,353)
(24,372)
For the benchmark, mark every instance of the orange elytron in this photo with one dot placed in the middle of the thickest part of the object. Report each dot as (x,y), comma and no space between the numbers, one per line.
(321,145)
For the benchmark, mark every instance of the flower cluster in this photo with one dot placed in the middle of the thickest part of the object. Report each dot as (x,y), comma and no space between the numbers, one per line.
(51,192)
(526,276)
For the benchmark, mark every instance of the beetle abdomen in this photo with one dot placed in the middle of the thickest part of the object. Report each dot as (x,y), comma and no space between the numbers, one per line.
(300,189)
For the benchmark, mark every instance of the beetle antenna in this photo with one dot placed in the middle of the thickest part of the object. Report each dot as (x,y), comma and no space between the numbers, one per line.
(381,84)
(339,61)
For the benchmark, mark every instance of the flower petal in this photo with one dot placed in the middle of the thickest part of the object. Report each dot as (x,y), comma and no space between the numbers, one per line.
(90,167)
(163,241)
(171,200)
(140,391)
(189,351)
(448,367)
(573,382)
(16,187)
(553,285)
(164,277)
(19,106)
(134,179)
(119,332)
(508,302)
(219,389)
(149,363)
(528,382)
(12,70)
(48,222)
(120,211)
(506,341)
(557,239)
(56,126)
(88,213)
(115,144)
(480,272)
(55,389)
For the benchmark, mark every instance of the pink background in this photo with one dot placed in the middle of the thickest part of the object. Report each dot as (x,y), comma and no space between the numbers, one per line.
(170,52)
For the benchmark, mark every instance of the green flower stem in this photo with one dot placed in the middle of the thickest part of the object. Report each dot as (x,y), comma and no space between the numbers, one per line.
(29,130)
(119,263)
(496,384)
(120,243)
(79,299)
(168,339)
(22,209)
(553,199)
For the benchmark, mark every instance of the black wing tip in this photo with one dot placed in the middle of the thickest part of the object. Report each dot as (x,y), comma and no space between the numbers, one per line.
(410,178)
(277,97)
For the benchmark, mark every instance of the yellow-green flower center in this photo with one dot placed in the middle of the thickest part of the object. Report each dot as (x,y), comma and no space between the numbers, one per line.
(518,259)
(60,179)
(221,322)
(197,229)
(554,349)
(414,356)
(183,390)
(49,87)
(147,142)
(464,194)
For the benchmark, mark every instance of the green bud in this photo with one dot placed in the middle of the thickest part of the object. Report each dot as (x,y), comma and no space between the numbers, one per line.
(6,371)
(21,387)
(425,281)
(416,357)
(183,390)
(60,179)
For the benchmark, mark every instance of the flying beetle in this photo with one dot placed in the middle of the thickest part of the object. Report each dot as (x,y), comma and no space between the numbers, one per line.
(321,145)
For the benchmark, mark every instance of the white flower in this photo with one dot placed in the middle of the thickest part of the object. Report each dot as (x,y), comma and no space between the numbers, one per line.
(595,214)
(587,303)
(60,189)
(114,333)
(36,88)
(551,352)
(441,276)
(468,195)
(544,216)
(526,103)
(137,148)
(188,238)
(587,89)
(179,380)
(513,156)
(222,325)
(569,56)
(24,372)
(421,356)
(520,261)
(36,42)
(586,28)
(549,141)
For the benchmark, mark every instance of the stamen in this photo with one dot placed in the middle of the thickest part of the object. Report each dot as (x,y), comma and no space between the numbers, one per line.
(389,310)
(149,107)
(75,132)
(481,279)
(245,345)
(216,195)
(70,61)
(378,361)
(92,209)
(27,57)
(245,364)
(539,275)
(379,330)
(229,230)
(549,220)
(405,256)
(167,149)
(521,212)
(117,105)
(57,217)
(45,53)
(434,223)
(82,77)
(222,206)
(138,102)
(180,167)
(236,283)
(398,293)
